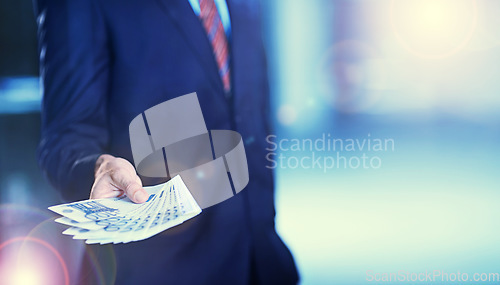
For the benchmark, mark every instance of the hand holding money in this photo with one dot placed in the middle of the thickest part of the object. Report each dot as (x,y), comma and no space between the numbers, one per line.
(117,220)
(115,177)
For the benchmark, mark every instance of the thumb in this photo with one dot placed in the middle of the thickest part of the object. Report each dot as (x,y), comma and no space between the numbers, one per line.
(136,193)
(132,187)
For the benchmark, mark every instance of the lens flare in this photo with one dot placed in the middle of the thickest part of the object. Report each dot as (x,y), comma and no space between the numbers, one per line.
(31,266)
(102,261)
(25,276)
(434,28)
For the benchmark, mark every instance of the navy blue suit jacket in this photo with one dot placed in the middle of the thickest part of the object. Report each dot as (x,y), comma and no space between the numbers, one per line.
(103,62)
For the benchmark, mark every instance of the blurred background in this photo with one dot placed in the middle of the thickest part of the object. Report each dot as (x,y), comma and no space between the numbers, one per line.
(422,73)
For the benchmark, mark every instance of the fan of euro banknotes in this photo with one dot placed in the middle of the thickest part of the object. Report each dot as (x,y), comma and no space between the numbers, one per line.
(119,220)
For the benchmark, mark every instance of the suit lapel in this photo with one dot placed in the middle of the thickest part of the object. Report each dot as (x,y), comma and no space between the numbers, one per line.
(186,21)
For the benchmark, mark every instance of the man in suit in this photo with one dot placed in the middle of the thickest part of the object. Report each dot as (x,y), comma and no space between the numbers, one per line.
(103,62)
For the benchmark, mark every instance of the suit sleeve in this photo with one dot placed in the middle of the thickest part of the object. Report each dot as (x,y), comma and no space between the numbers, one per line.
(74,69)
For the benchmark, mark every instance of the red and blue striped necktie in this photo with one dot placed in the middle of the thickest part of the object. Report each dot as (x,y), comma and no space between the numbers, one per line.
(217,37)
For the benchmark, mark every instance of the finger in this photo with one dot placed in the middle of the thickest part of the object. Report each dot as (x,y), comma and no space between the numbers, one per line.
(112,194)
(132,187)
(103,188)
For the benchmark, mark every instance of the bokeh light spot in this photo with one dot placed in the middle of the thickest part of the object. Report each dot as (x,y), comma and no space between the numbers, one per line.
(287,115)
